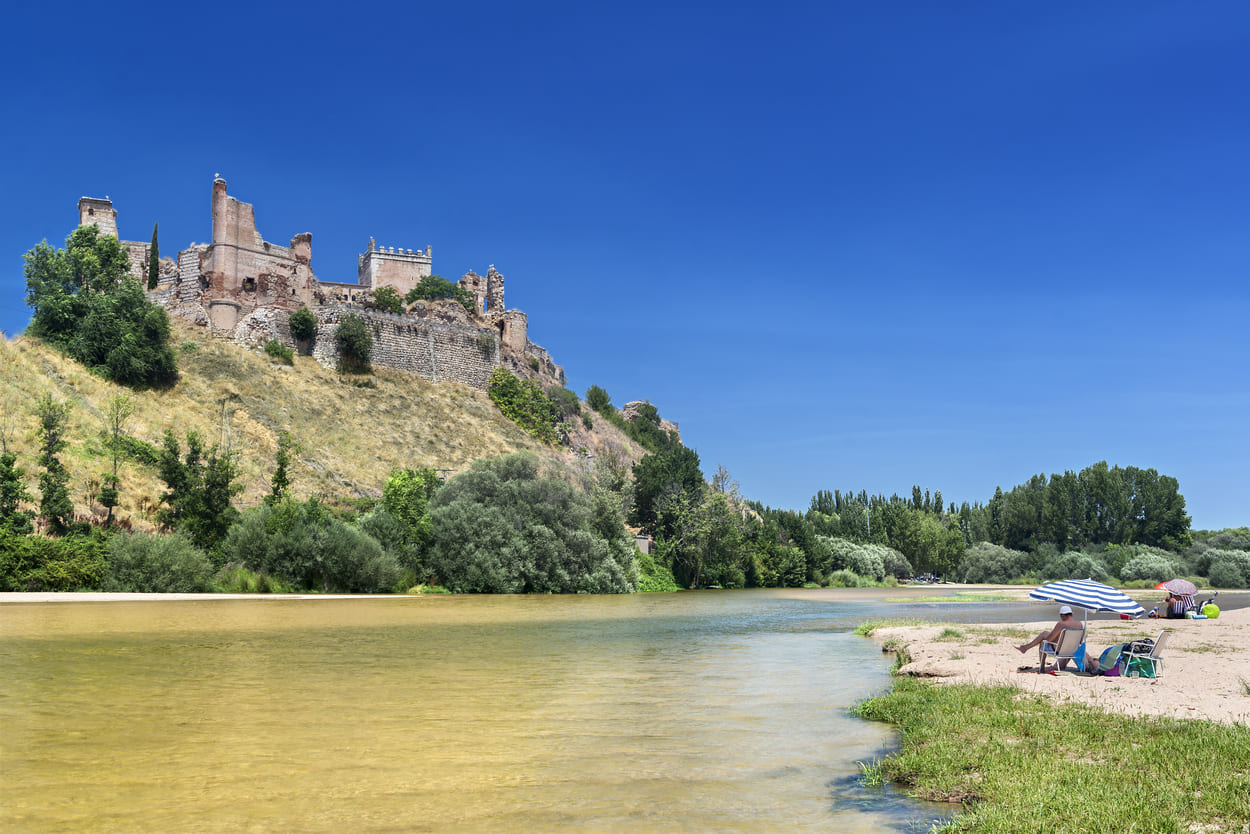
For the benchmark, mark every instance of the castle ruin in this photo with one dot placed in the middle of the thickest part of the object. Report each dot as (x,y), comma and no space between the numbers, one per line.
(244,287)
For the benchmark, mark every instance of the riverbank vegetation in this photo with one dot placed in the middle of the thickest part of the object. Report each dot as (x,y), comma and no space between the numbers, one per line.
(1013,762)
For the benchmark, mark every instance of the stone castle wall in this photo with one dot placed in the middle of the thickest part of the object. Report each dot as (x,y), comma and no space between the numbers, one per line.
(435,350)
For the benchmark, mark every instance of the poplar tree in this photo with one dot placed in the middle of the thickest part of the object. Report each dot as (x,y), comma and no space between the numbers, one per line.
(154,260)
(54,501)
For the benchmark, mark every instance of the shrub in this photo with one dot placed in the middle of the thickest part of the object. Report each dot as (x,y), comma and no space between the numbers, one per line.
(280,351)
(598,399)
(387,299)
(587,422)
(1151,566)
(524,403)
(300,543)
(564,403)
(355,341)
(36,563)
(896,566)
(232,579)
(151,563)
(847,579)
(502,527)
(654,578)
(434,287)
(1230,569)
(303,324)
(1074,565)
(993,564)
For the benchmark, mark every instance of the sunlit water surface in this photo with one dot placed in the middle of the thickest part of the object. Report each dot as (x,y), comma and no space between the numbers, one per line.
(681,712)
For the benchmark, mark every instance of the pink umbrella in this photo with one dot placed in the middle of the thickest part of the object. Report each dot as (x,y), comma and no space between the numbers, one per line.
(1180,587)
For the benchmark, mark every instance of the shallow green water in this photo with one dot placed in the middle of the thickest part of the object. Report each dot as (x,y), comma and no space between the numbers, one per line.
(685,712)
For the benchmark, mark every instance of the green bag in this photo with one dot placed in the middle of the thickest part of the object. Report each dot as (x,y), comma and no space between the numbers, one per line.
(1141,667)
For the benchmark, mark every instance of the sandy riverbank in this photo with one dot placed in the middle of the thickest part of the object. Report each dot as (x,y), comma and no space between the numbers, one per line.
(1206,664)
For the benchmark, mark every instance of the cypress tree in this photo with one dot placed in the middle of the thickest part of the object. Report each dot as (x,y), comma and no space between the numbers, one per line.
(154,260)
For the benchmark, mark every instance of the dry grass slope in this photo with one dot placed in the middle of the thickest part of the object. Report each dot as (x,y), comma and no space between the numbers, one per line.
(352,431)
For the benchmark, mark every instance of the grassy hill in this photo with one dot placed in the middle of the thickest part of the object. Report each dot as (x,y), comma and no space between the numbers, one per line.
(351,430)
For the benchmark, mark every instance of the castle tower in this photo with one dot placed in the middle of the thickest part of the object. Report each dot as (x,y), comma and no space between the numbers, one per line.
(494,290)
(97,212)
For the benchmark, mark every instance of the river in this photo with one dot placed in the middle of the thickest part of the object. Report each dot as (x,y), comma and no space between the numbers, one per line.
(704,711)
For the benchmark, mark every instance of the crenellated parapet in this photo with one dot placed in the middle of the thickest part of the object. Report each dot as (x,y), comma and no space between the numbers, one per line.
(386,266)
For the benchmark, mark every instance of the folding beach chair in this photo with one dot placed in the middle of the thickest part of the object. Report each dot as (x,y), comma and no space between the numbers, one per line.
(1064,649)
(1148,650)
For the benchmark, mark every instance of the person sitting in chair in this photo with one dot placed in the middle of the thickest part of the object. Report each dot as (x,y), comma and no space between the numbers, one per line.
(1066,621)
(1177,605)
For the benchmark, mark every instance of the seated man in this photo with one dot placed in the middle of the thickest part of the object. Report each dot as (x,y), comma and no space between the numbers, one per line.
(1066,621)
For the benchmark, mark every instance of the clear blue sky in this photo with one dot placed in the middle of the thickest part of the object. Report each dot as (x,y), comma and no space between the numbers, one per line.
(844,245)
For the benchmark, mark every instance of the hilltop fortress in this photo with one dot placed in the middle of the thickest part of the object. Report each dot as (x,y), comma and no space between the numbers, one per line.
(244,287)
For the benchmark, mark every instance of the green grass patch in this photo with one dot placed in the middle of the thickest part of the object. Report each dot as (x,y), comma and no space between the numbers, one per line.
(866,629)
(1020,763)
(949,633)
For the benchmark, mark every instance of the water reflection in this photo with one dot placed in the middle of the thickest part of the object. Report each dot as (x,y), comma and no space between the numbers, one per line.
(686,712)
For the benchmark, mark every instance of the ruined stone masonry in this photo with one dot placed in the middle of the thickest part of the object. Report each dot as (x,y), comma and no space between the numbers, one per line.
(244,287)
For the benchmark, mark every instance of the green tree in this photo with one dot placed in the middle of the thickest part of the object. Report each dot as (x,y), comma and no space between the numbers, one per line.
(355,341)
(598,399)
(387,299)
(435,287)
(154,261)
(281,481)
(86,304)
(675,469)
(504,527)
(55,505)
(303,324)
(118,409)
(407,495)
(200,488)
(13,493)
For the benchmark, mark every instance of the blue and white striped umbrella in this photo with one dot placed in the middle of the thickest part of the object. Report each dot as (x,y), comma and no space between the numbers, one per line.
(1088,594)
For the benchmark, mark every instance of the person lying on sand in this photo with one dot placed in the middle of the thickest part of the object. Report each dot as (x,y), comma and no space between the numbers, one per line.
(1066,621)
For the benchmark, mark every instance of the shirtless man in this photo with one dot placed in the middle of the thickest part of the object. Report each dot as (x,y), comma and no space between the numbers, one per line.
(1066,621)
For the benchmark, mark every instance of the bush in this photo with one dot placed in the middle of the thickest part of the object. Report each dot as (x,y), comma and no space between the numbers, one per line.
(1074,565)
(1151,566)
(598,399)
(355,341)
(654,578)
(524,403)
(232,579)
(1230,569)
(848,579)
(387,300)
(868,560)
(502,527)
(36,563)
(300,543)
(434,287)
(280,351)
(150,563)
(303,324)
(993,564)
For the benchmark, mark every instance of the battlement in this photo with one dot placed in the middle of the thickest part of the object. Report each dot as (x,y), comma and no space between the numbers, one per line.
(386,266)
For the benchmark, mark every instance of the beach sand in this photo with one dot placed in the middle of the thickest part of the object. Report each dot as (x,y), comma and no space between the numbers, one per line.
(1206,664)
